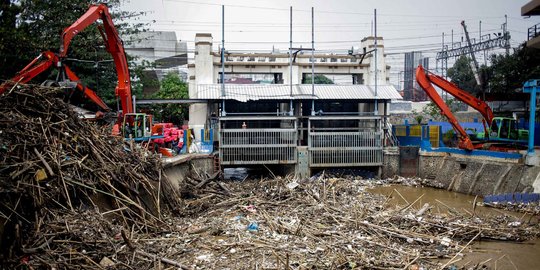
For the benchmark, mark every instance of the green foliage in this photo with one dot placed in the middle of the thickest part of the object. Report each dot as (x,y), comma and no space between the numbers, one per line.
(141,80)
(449,138)
(28,27)
(319,79)
(435,113)
(508,72)
(172,87)
(418,116)
(462,75)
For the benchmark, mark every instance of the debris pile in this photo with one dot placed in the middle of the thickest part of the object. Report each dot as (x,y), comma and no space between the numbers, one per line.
(327,223)
(66,185)
(351,174)
(73,197)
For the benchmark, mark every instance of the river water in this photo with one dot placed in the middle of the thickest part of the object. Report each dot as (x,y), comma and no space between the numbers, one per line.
(495,254)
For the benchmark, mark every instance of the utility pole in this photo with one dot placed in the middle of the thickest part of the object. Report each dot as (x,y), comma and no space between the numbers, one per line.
(376,112)
(223,112)
(474,64)
(312,61)
(291,110)
(505,32)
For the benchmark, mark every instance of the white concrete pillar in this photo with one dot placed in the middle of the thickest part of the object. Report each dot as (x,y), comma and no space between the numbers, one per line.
(369,44)
(204,74)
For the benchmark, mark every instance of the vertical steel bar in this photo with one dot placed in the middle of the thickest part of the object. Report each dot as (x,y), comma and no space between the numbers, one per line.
(376,112)
(312,61)
(223,112)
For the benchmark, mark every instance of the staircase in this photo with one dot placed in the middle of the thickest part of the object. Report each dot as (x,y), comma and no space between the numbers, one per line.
(390,137)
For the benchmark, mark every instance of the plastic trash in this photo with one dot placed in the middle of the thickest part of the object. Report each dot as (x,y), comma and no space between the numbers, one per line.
(292,185)
(250,208)
(253,227)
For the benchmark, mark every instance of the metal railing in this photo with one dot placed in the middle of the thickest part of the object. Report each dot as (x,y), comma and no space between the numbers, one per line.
(533,31)
(258,146)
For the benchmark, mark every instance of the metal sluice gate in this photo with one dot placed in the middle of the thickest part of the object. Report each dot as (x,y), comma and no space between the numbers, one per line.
(328,149)
(345,142)
(332,142)
(272,141)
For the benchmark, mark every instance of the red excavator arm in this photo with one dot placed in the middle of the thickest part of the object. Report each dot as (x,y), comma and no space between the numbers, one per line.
(43,62)
(113,44)
(461,95)
(424,80)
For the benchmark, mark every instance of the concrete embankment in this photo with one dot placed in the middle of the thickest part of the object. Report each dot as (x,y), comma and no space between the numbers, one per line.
(178,168)
(473,175)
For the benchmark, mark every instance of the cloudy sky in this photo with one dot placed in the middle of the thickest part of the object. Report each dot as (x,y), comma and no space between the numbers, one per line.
(405,25)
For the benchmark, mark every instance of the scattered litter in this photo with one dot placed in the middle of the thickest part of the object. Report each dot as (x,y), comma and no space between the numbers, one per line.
(253,227)
(292,185)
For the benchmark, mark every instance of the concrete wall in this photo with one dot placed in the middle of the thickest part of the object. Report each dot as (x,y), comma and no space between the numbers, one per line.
(390,162)
(177,169)
(470,175)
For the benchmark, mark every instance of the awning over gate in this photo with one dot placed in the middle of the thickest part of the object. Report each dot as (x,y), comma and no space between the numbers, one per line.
(247,92)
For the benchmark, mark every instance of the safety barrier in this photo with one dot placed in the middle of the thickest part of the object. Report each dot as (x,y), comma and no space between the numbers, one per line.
(414,134)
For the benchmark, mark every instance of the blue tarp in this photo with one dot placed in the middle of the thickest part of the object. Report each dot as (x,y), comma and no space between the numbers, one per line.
(512,198)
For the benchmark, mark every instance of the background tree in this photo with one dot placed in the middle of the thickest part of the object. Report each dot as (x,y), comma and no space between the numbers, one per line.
(28,27)
(435,113)
(507,73)
(172,87)
(319,79)
(462,75)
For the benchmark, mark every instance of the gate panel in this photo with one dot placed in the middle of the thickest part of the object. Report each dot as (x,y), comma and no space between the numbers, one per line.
(408,161)
(340,149)
(247,140)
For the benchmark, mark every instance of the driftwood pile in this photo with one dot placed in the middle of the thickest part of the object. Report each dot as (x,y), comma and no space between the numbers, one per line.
(67,187)
(326,223)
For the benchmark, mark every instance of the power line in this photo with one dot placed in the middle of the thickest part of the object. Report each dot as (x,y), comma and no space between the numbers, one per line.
(334,12)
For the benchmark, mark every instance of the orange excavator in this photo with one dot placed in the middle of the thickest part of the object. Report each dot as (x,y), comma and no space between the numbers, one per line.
(500,133)
(113,45)
(426,79)
(132,126)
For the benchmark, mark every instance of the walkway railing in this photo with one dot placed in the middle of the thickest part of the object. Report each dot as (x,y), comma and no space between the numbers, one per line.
(533,31)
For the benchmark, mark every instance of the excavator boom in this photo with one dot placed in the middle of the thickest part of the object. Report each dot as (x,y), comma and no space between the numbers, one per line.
(462,96)
(113,44)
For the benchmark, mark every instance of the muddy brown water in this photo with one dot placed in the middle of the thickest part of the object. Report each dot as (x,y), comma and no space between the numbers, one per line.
(496,254)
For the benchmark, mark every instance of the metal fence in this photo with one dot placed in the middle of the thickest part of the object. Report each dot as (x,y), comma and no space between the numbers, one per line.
(244,146)
(341,148)
(533,31)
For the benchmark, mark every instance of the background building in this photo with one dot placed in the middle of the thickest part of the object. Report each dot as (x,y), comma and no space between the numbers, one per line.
(163,50)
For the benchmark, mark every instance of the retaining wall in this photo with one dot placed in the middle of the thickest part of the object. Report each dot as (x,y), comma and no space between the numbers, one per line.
(470,175)
(178,168)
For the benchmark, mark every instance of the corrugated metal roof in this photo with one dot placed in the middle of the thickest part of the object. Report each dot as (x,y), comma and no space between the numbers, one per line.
(246,92)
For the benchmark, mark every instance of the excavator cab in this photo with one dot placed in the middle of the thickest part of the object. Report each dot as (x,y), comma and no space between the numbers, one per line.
(137,126)
(505,128)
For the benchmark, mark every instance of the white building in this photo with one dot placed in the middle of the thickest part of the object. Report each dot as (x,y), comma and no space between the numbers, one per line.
(267,97)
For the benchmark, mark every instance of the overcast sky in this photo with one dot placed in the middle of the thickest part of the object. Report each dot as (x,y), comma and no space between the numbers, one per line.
(405,25)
